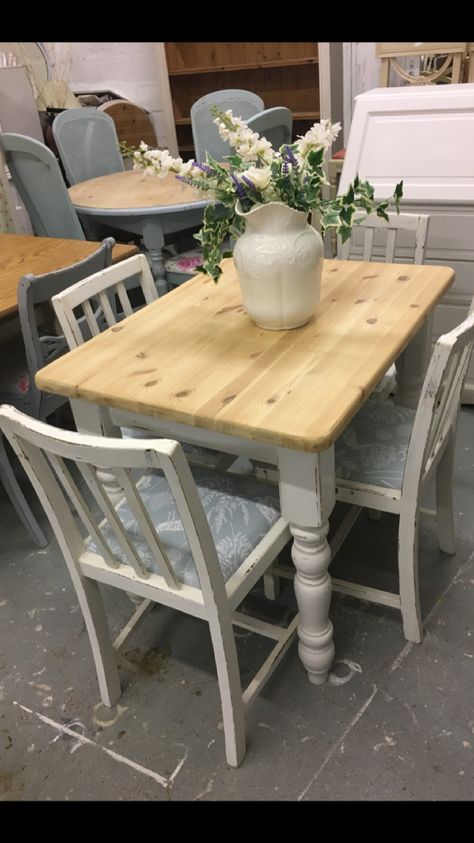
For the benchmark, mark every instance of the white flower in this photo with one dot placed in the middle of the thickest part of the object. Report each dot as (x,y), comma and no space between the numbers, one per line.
(259,176)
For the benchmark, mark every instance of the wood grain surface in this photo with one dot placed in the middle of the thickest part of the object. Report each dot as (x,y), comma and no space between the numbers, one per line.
(195,356)
(21,254)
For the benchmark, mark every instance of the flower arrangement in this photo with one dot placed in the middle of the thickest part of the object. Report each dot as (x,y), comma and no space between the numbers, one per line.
(256,174)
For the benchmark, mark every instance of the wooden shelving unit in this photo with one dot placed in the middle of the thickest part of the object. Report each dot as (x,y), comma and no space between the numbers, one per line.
(284,74)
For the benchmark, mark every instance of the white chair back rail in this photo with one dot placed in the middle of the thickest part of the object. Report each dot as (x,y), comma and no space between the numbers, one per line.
(101,288)
(43,452)
(372,225)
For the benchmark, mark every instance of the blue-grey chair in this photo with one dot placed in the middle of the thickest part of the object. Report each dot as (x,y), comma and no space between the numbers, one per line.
(21,358)
(87,143)
(274,124)
(40,184)
(206,136)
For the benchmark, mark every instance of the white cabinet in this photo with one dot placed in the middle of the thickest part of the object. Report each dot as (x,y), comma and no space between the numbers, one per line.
(424,136)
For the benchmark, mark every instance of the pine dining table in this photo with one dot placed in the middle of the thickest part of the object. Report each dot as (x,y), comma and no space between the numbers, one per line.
(194,366)
(24,253)
(141,204)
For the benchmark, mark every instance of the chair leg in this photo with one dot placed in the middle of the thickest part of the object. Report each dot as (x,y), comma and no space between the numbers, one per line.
(230,690)
(408,574)
(7,476)
(444,497)
(271,582)
(90,599)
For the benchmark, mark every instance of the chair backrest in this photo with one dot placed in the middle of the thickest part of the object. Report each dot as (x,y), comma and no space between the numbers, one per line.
(41,346)
(43,449)
(447,68)
(38,179)
(375,239)
(96,296)
(87,143)
(439,402)
(206,136)
(274,124)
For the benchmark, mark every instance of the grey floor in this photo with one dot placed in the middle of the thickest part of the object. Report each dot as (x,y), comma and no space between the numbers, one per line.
(395,721)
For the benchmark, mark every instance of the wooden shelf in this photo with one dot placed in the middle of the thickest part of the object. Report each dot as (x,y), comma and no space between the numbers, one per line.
(281,73)
(248,66)
(306,115)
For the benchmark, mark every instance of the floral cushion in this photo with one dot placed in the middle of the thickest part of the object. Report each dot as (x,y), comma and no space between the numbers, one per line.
(373,448)
(185,263)
(240,511)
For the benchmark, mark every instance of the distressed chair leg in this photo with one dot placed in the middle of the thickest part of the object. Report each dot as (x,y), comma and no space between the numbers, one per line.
(271,582)
(17,498)
(408,574)
(230,690)
(90,599)
(444,498)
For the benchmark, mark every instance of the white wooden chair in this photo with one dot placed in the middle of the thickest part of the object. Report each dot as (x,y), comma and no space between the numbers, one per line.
(94,299)
(384,459)
(401,239)
(375,239)
(196,545)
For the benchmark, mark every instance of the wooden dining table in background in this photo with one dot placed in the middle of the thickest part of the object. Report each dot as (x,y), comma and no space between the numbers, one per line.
(21,254)
(143,204)
(194,366)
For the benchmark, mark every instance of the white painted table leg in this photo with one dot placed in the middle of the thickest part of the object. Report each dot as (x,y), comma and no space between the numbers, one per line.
(412,365)
(307,495)
(92,419)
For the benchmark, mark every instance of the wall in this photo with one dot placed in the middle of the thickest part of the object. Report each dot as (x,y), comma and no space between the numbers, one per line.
(132,70)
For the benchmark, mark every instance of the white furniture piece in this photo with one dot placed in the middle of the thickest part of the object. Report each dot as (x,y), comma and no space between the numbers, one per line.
(376,239)
(384,459)
(96,296)
(172,539)
(425,136)
(279,397)
(416,444)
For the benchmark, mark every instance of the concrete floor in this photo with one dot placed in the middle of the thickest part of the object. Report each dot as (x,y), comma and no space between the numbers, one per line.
(395,721)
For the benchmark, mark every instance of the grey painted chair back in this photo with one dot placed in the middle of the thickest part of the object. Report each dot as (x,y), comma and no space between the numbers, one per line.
(274,124)
(206,136)
(42,347)
(87,143)
(38,179)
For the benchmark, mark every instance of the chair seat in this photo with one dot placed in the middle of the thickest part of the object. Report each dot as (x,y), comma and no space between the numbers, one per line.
(181,267)
(373,448)
(239,510)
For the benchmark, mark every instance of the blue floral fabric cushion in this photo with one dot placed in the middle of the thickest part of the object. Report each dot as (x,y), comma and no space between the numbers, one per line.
(373,448)
(240,511)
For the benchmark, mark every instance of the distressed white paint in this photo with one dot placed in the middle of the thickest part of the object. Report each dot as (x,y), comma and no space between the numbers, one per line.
(214,601)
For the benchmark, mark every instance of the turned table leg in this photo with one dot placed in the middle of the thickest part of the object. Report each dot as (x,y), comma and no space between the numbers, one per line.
(154,240)
(307,496)
(412,365)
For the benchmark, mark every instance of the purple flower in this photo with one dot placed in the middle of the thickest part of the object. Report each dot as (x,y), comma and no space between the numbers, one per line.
(204,167)
(249,183)
(290,157)
(238,186)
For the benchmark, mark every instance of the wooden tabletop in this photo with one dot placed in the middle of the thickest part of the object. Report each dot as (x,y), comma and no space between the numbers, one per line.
(21,254)
(195,356)
(133,189)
